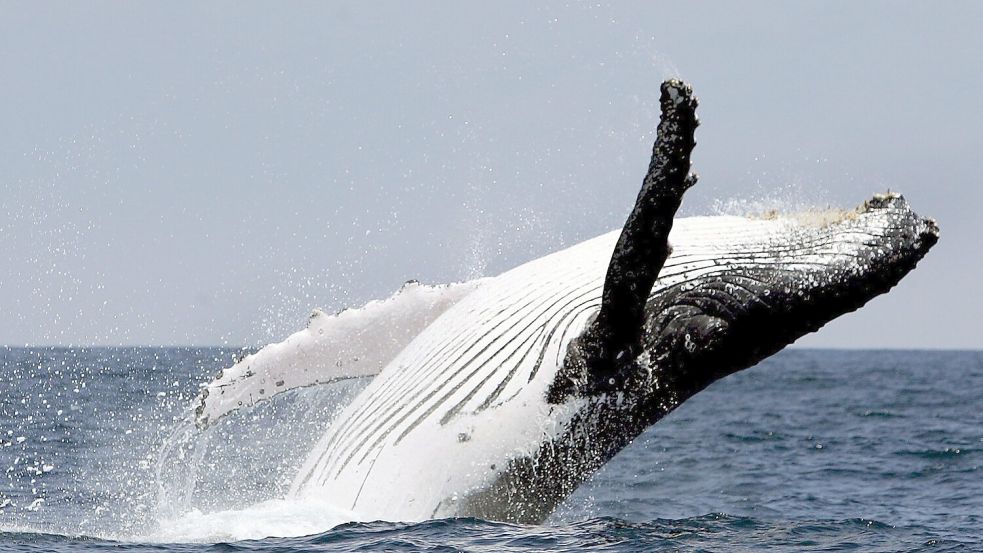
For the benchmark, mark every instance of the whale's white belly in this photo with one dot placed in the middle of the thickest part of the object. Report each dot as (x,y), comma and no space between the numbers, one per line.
(466,395)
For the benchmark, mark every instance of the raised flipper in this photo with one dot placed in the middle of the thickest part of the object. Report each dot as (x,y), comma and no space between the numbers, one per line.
(351,344)
(598,359)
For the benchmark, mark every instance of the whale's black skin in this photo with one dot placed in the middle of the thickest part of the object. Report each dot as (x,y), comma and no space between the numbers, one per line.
(644,355)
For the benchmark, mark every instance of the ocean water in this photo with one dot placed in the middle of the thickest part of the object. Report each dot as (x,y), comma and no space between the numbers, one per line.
(811,450)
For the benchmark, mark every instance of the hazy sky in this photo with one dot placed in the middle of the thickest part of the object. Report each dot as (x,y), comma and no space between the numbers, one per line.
(206,173)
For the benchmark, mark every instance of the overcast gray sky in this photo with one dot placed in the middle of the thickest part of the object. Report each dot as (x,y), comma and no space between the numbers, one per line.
(206,173)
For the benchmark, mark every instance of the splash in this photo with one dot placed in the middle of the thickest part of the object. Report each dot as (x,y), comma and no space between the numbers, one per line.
(228,481)
(790,198)
(266,519)
(100,443)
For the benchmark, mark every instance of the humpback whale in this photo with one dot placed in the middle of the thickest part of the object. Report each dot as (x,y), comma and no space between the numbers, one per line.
(496,398)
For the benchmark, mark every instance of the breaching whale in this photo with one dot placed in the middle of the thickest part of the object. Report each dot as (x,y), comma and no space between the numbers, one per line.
(496,398)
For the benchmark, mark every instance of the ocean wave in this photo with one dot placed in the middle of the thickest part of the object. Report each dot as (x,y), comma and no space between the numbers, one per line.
(714,531)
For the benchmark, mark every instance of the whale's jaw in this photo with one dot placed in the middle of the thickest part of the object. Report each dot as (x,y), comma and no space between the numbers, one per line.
(700,331)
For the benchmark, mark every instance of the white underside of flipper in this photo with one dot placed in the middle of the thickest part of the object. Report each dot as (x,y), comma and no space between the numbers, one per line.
(351,344)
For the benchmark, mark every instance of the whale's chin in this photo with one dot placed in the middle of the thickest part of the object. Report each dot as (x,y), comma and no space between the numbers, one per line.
(782,287)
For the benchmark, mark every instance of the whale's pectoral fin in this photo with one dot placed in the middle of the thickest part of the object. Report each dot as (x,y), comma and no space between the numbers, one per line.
(598,359)
(354,343)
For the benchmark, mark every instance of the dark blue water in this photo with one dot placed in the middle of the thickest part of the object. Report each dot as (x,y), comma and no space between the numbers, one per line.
(809,451)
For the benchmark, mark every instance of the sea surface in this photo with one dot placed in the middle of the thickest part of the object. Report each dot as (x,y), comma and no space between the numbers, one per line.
(812,450)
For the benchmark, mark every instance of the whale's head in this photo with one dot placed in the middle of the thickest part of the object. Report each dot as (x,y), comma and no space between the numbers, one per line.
(733,291)
(739,290)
